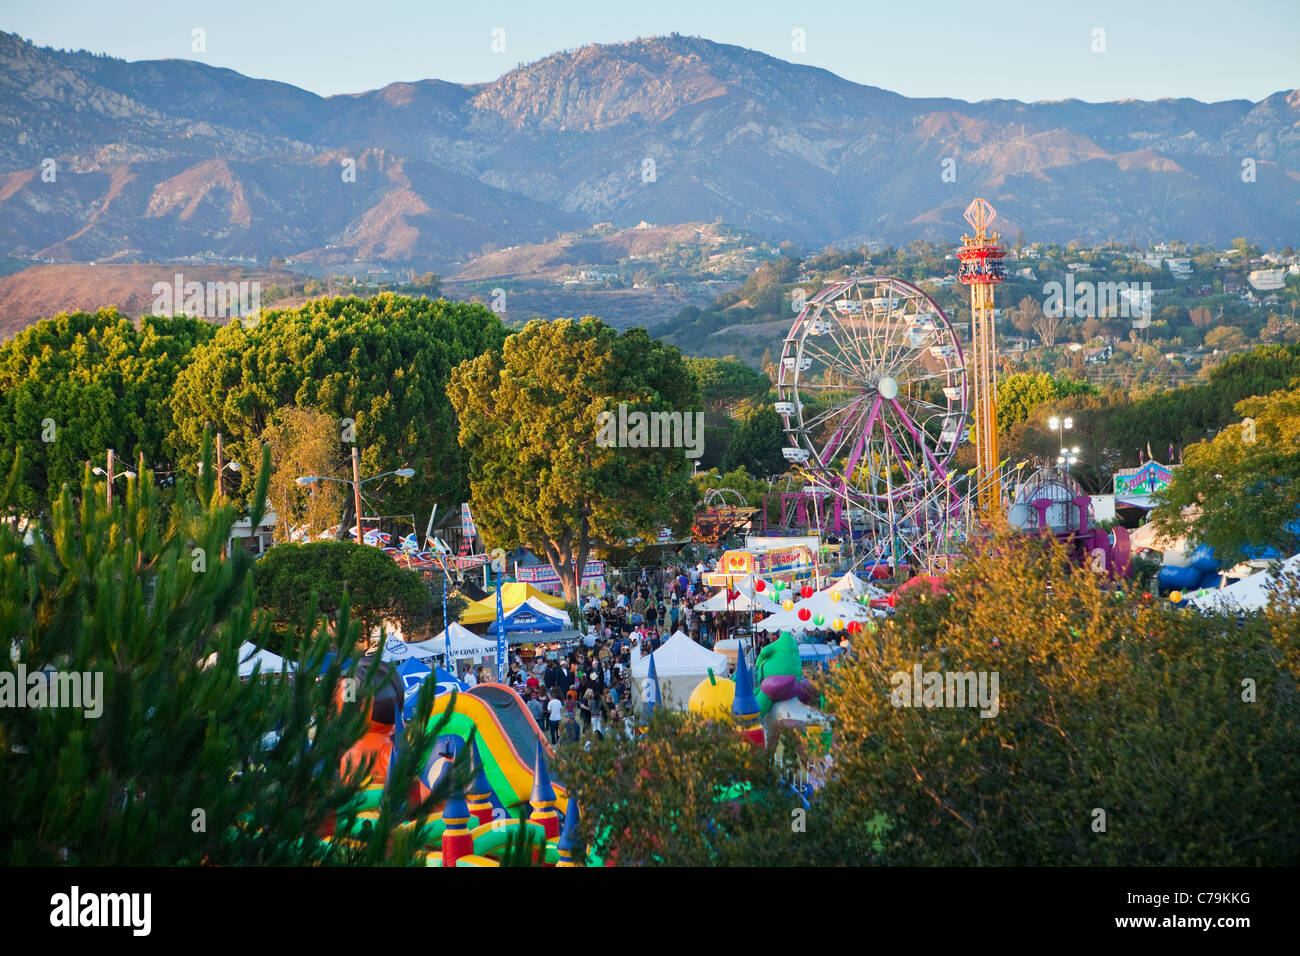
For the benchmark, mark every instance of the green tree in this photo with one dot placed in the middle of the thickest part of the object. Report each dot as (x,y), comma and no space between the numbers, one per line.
(1243,485)
(689,793)
(1019,395)
(543,470)
(381,363)
(1092,715)
(176,761)
(329,575)
(728,382)
(757,445)
(76,385)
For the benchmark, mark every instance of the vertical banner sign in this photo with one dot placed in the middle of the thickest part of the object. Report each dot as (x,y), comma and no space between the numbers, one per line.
(499,565)
(467,530)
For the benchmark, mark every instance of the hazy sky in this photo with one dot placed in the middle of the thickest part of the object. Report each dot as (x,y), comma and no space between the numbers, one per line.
(969,50)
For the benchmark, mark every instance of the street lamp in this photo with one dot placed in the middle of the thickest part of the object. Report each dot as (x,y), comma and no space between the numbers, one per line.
(111,476)
(1068,457)
(356,483)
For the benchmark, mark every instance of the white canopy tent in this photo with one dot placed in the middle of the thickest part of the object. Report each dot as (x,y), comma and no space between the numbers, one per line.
(747,598)
(846,609)
(850,585)
(464,644)
(250,658)
(680,664)
(1249,594)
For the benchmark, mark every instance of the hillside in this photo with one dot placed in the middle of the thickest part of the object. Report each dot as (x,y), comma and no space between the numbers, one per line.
(161,159)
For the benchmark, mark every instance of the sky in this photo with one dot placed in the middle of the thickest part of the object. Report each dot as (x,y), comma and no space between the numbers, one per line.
(1134,49)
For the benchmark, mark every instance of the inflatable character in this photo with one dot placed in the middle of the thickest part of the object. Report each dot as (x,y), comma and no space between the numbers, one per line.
(780,673)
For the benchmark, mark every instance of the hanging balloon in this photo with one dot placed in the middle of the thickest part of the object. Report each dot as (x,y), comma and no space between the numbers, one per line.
(837,624)
(1175,596)
(806,591)
(871,627)
(819,620)
(854,627)
(804,614)
(835,595)
(891,600)
(779,585)
(760,585)
(787,605)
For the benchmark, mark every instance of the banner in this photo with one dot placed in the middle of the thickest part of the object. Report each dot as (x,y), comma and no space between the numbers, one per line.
(502,643)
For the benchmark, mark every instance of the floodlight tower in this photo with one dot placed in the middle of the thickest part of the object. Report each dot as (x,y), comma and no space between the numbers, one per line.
(982,269)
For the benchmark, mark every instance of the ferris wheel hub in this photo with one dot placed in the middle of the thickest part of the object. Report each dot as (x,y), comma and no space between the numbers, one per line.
(887,387)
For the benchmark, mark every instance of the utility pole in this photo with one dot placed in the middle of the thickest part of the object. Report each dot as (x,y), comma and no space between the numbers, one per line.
(110,477)
(220,466)
(356,489)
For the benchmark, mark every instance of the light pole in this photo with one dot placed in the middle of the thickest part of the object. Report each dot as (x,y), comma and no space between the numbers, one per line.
(222,466)
(1068,458)
(127,473)
(1060,426)
(356,483)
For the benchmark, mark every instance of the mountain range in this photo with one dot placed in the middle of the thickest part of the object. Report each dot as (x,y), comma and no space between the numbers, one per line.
(112,161)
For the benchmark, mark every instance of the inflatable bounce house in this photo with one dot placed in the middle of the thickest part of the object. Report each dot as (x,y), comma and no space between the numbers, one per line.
(511,798)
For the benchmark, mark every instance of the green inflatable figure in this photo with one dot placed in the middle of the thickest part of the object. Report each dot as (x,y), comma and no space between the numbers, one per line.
(779,670)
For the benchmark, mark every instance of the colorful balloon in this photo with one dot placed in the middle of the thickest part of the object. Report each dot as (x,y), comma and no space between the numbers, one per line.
(804,613)
(837,624)
(760,585)
(779,585)
(807,591)
(835,595)
(819,620)
(1175,596)
(787,605)
(854,627)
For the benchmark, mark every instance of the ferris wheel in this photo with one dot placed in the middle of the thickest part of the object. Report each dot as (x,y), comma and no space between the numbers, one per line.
(872,388)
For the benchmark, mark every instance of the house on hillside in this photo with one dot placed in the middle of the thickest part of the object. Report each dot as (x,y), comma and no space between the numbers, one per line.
(1099,355)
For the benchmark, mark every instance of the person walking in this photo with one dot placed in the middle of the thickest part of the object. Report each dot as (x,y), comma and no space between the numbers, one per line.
(554,711)
(584,710)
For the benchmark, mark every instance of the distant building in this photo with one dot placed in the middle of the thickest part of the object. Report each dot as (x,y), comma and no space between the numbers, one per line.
(1265,280)
(1098,355)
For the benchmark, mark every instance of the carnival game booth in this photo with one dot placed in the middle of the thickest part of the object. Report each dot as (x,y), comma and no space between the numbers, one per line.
(680,665)
(769,561)
(743,596)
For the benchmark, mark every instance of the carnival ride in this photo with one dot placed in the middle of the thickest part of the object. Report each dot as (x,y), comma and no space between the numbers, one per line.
(876,396)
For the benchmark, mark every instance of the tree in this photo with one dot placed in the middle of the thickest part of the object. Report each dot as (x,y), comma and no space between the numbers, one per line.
(547,466)
(1089,727)
(727,382)
(1025,314)
(1224,337)
(304,442)
(1020,394)
(175,761)
(757,445)
(329,575)
(76,385)
(1243,485)
(379,367)
(689,793)
(1045,326)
